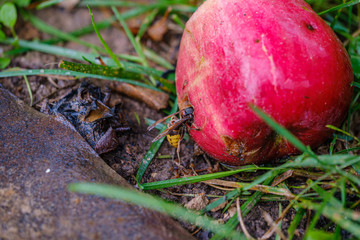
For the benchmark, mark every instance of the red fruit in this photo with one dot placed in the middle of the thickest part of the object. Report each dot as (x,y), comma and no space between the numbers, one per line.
(277,54)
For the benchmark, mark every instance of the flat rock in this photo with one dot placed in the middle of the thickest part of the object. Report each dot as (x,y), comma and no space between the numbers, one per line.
(39,157)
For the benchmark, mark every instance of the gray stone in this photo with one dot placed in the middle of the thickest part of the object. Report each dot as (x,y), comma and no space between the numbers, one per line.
(39,157)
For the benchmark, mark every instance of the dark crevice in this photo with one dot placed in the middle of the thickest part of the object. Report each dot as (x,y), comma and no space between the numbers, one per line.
(310,27)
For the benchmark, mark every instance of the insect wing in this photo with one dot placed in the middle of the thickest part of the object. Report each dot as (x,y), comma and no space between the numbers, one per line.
(169,129)
(161,120)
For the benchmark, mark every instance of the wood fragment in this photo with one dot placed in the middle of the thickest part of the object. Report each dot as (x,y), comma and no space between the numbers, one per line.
(154,99)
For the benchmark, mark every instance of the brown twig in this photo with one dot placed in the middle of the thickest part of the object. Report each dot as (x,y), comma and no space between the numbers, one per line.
(355,34)
(271,229)
(196,231)
(241,221)
(273,225)
(262,188)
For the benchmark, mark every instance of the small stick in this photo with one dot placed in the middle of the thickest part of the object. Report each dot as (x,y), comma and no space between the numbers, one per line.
(273,225)
(242,225)
(271,229)
(196,231)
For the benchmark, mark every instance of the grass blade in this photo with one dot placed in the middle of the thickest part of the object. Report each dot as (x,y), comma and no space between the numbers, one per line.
(145,24)
(77,55)
(295,222)
(178,6)
(152,202)
(134,12)
(150,154)
(42,26)
(70,73)
(153,56)
(344,5)
(131,37)
(117,3)
(342,217)
(260,188)
(177,20)
(107,48)
(282,131)
(48,4)
(317,214)
(355,84)
(129,34)
(342,131)
(327,162)
(99,70)
(29,90)
(245,209)
(230,195)
(194,179)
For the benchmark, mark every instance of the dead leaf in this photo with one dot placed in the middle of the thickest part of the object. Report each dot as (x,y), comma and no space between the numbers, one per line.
(134,24)
(101,112)
(154,99)
(159,28)
(198,202)
(282,177)
(108,142)
(230,212)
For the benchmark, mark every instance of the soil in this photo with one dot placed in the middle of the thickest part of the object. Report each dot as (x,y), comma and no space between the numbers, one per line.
(135,143)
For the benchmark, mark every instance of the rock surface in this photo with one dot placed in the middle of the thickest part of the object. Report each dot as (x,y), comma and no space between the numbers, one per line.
(39,157)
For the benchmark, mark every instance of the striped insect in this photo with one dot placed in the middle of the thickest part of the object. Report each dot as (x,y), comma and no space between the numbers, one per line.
(176,127)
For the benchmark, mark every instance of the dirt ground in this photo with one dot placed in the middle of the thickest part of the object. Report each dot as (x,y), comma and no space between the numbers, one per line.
(133,144)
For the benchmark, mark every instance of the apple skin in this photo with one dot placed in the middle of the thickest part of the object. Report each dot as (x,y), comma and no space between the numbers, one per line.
(277,54)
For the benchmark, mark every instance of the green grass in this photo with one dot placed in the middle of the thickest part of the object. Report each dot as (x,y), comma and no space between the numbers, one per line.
(330,181)
(157,204)
(149,156)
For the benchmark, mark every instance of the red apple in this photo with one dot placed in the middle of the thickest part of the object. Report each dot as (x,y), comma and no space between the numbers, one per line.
(277,54)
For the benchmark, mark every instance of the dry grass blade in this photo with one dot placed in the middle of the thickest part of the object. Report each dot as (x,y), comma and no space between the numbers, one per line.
(241,221)
(272,229)
(196,231)
(261,188)
(59,77)
(220,188)
(354,35)
(273,225)
(282,177)
(355,204)
(312,175)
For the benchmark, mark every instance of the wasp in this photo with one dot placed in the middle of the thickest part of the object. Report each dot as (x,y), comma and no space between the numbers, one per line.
(176,127)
